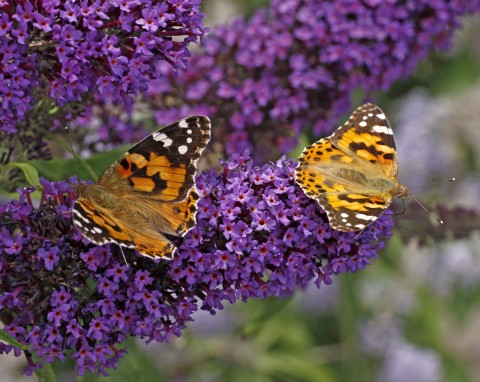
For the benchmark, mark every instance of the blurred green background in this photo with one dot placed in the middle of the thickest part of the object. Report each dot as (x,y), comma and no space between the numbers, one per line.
(413,315)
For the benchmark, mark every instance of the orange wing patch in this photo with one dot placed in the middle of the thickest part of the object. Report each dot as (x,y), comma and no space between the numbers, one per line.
(142,184)
(367,135)
(317,165)
(130,164)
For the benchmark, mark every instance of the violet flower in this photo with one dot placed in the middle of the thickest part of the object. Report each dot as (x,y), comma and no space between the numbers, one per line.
(295,65)
(73,50)
(257,235)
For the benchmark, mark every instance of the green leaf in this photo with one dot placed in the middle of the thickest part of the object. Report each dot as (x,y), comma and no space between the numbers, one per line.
(85,169)
(5,337)
(46,374)
(30,172)
(53,110)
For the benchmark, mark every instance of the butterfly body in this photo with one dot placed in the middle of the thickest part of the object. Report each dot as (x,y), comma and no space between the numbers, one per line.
(148,194)
(353,173)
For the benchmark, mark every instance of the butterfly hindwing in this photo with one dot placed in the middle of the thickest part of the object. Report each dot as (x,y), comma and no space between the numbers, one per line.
(100,226)
(97,224)
(351,212)
(180,216)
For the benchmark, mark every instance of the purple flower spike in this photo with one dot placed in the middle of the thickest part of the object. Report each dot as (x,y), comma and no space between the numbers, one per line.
(296,64)
(68,298)
(66,48)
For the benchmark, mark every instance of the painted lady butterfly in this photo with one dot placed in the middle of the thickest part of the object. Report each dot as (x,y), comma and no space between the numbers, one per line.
(353,173)
(148,194)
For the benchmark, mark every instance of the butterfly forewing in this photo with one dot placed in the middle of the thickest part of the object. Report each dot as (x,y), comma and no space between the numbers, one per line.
(367,136)
(163,164)
(320,169)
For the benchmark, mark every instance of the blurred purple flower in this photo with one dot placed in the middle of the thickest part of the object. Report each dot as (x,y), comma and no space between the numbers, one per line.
(73,48)
(69,298)
(295,65)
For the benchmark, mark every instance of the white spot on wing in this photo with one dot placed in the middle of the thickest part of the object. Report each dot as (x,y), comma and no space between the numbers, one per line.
(382,129)
(344,215)
(159,136)
(80,216)
(189,131)
(361,226)
(183,123)
(189,140)
(363,124)
(182,149)
(381,116)
(366,217)
(162,137)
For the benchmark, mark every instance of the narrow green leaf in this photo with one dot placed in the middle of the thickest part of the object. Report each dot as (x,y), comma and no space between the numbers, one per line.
(89,169)
(5,337)
(53,110)
(30,172)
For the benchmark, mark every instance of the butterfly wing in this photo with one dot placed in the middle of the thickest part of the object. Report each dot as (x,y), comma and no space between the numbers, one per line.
(350,212)
(337,171)
(368,137)
(100,226)
(148,194)
(127,227)
(323,168)
(163,165)
(337,182)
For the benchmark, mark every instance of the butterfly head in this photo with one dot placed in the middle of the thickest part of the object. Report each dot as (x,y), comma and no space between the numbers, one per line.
(402,191)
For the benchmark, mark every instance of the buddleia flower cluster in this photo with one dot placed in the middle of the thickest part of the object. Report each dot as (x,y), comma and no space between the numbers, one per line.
(294,66)
(76,50)
(257,235)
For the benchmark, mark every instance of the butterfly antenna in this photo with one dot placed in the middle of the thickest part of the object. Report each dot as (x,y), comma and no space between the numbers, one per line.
(358,234)
(124,258)
(78,159)
(433,183)
(70,143)
(427,211)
